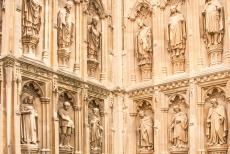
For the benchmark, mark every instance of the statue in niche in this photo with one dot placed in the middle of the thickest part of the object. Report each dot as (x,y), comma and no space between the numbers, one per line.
(28,121)
(177,38)
(94,39)
(216,128)
(65,33)
(31,23)
(146,132)
(144,43)
(66,125)
(96,131)
(179,129)
(213,22)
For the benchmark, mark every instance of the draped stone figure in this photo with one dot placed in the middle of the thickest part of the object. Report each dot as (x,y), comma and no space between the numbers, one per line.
(143,43)
(96,131)
(216,128)
(177,38)
(213,22)
(65,33)
(28,121)
(146,132)
(94,38)
(31,23)
(179,129)
(66,125)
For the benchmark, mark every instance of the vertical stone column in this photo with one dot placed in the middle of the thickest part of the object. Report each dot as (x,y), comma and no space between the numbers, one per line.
(78,124)
(86,131)
(192,129)
(157,125)
(104,55)
(195,54)
(8,107)
(83,34)
(200,123)
(46,35)
(1,110)
(45,125)
(55,120)
(227,30)
(76,68)
(158,44)
(106,126)
(118,123)
(16,103)
(53,42)
(117,43)
(164,130)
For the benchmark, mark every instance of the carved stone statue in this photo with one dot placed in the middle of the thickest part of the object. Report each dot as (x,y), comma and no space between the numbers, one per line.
(94,38)
(144,49)
(146,132)
(144,43)
(31,23)
(65,33)
(96,131)
(177,39)
(94,46)
(179,129)
(217,127)
(66,125)
(213,30)
(28,123)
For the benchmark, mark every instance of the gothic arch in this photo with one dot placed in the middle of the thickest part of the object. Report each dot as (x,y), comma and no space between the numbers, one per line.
(178,98)
(139,6)
(213,92)
(33,88)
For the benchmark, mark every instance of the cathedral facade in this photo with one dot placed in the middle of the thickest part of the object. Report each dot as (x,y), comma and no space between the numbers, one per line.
(115,77)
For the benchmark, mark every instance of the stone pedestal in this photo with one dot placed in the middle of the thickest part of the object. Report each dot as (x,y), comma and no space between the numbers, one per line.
(29,149)
(147,152)
(178,64)
(29,45)
(92,65)
(179,150)
(146,70)
(215,54)
(218,149)
(66,151)
(63,57)
(95,151)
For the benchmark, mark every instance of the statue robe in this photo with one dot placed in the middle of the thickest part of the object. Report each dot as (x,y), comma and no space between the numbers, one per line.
(146,132)
(179,127)
(217,132)
(177,31)
(28,124)
(31,18)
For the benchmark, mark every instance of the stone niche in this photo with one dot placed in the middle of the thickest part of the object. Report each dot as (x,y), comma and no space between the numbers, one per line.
(30,112)
(66,123)
(216,121)
(141,18)
(96,14)
(178,125)
(145,127)
(96,126)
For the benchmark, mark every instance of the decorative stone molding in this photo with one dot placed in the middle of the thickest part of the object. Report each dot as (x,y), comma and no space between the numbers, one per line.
(163,3)
(95,7)
(141,92)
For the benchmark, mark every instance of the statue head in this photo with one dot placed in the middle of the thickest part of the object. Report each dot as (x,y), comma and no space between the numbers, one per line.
(214,102)
(141,113)
(96,111)
(176,108)
(66,105)
(95,20)
(173,9)
(69,4)
(29,100)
